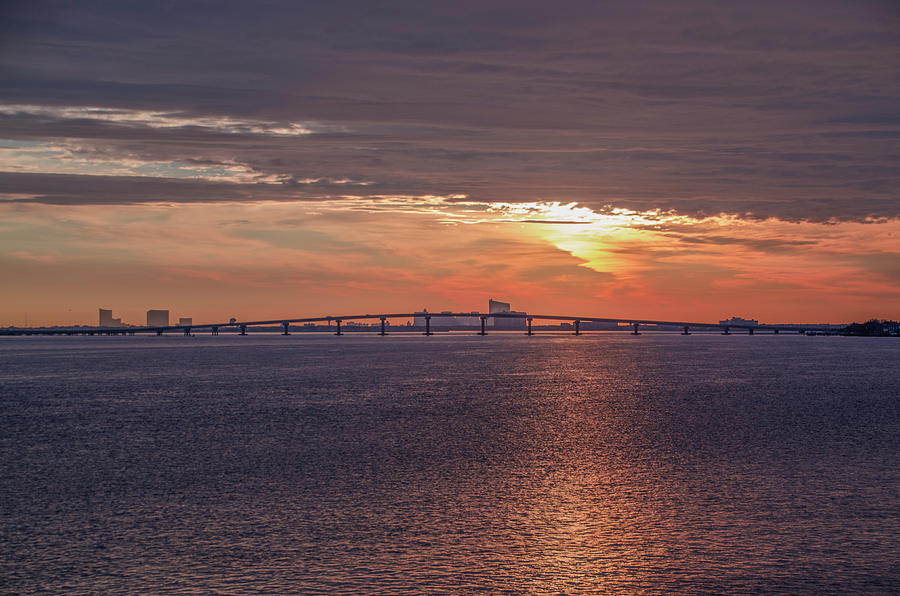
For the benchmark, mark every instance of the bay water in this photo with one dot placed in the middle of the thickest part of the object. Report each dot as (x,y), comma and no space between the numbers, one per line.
(604,463)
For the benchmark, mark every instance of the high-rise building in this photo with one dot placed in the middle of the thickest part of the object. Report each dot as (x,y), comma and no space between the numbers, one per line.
(157,318)
(107,320)
(495,306)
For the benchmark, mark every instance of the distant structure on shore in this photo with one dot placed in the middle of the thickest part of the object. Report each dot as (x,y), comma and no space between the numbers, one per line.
(107,320)
(739,321)
(446,319)
(157,318)
(495,306)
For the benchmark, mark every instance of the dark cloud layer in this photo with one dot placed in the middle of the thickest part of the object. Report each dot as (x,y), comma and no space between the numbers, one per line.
(784,109)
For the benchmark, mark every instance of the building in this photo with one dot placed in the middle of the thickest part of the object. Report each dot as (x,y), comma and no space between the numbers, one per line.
(446,318)
(443,319)
(185,321)
(468,320)
(495,306)
(157,318)
(739,321)
(107,320)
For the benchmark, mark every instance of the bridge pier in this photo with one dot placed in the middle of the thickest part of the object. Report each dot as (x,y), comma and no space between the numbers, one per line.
(726,332)
(577,324)
(214,331)
(776,331)
(529,327)
(427,325)
(636,332)
(187,332)
(750,329)
(382,327)
(687,330)
(243,330)
(338,321)
(286,325)
(158,332)
(482,332)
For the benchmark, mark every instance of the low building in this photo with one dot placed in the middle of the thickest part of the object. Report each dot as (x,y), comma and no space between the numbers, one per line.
(185,321)
(471,319)
(739,321)
(442,319)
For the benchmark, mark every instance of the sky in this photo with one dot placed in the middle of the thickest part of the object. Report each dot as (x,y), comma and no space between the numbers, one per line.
(686,160)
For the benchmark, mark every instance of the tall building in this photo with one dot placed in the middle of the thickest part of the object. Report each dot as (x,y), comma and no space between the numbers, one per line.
(495,306)
(107,320)
(157,318)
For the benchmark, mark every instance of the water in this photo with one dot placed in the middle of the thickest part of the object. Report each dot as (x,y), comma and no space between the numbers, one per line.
(307,464)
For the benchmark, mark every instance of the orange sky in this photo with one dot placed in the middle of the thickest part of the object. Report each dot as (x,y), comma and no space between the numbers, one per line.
(362,255)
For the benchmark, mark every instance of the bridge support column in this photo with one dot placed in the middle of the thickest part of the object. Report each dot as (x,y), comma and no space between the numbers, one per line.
(286,325)
(529,326)
(243,330)
(427,325)
(338,321)
(187,331)
(482,332)
(726,332)
(750,330)
(577,324)
(687,330)
(776,331)
(636,332)
(158,332)
(382,327)
(214,331)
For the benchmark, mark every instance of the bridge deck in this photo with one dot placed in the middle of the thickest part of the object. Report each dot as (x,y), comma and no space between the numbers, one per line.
(387,316)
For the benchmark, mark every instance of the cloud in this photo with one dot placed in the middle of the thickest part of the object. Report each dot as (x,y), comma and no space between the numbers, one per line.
(703,108)
(130,118)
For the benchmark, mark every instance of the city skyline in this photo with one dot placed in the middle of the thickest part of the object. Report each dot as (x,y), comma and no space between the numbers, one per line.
(689,161)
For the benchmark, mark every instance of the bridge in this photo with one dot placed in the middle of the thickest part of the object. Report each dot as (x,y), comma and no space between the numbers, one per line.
(243,326)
